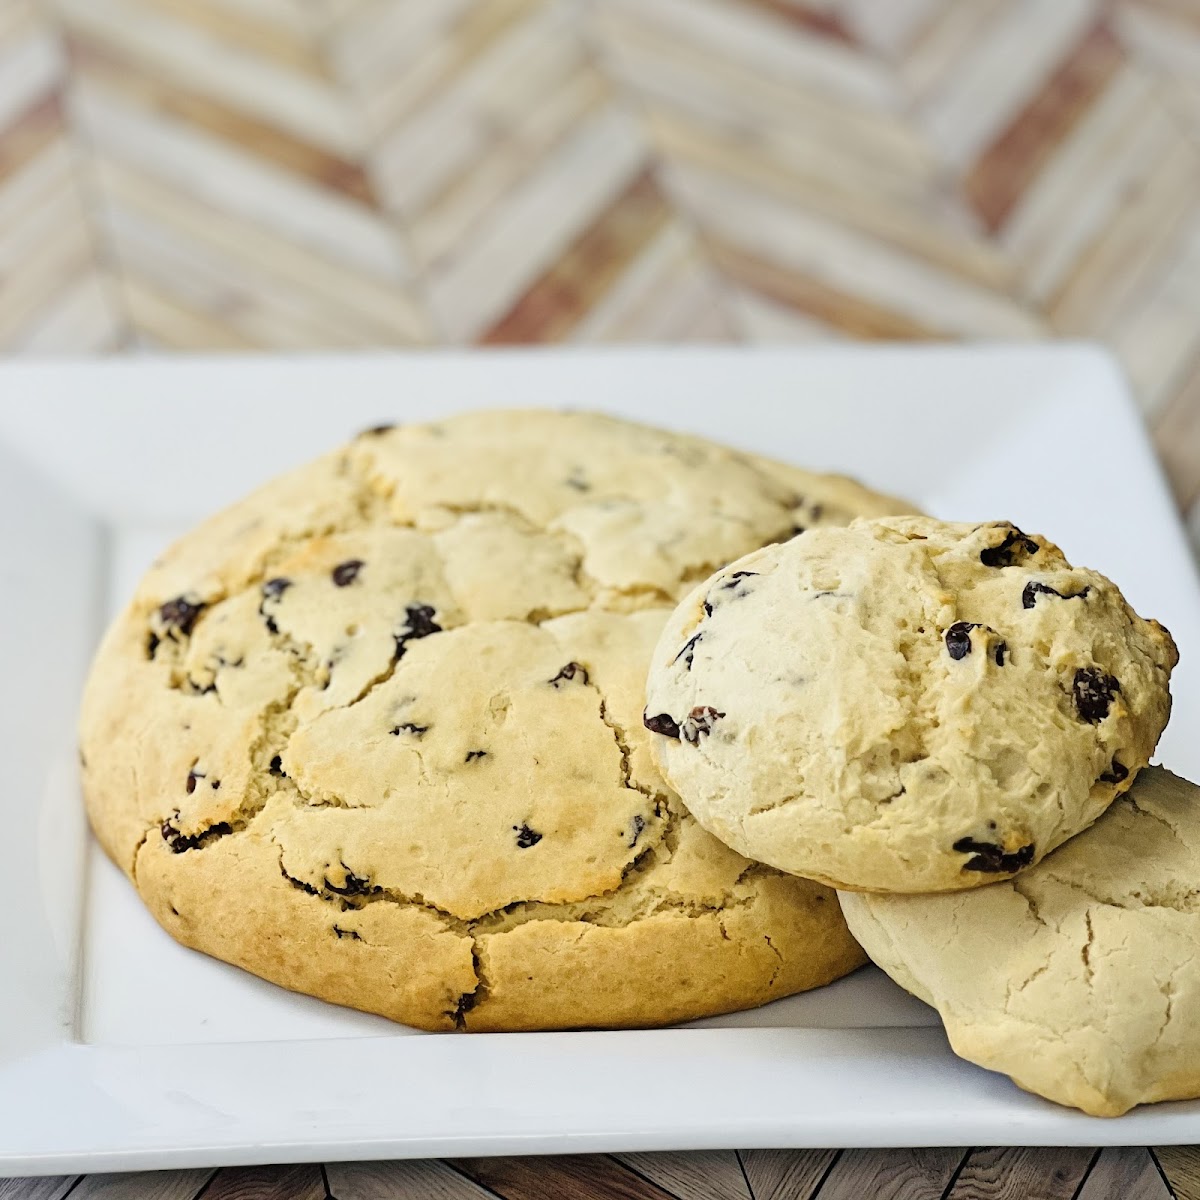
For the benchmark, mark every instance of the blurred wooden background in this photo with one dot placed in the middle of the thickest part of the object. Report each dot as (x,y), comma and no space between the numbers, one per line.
(301,174)
(281,174)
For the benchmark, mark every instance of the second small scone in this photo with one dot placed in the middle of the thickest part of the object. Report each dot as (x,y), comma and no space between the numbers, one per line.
(1080,978)
(905,705)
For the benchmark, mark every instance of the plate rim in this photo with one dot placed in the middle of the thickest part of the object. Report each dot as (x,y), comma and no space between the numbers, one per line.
(837,1067)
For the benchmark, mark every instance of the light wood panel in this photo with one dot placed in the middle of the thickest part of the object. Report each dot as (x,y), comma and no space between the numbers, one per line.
(1131,1174)
(1016,1173)
(239,174)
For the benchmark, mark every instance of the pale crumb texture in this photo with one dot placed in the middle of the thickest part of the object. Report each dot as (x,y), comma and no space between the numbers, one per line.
(375,732)
(1080,978)
(905,705)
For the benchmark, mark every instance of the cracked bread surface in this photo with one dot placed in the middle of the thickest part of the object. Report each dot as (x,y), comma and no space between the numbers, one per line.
(374,733)
(905,705)
(1079,978)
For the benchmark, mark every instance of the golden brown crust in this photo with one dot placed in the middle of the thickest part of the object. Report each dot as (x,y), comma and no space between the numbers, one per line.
(375,733)
(232,902)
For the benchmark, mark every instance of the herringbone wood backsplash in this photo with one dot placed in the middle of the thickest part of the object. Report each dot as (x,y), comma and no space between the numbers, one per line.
(280,174)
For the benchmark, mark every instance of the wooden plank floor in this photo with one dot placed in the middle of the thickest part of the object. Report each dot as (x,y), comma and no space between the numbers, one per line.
(979,1174)
(200,175)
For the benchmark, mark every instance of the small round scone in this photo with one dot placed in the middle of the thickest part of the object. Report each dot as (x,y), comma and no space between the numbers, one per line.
(905,705)
(375,734)
(1080,977)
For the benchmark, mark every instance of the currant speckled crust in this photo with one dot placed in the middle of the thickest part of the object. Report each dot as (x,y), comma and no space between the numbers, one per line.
(1079,978)
(375,733)
(905,705)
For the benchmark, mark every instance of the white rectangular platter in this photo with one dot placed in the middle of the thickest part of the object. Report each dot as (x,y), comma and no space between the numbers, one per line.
(121,1050)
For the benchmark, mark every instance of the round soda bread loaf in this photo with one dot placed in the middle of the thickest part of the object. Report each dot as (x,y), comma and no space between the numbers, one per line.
(375,733)
(905,705)
(1079,978)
